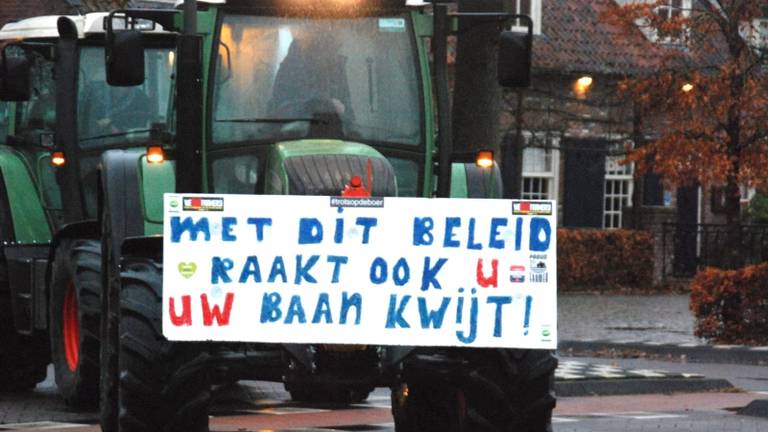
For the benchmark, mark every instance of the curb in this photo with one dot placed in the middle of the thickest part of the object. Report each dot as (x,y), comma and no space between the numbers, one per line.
(617,387)
(729,354)
(756,408)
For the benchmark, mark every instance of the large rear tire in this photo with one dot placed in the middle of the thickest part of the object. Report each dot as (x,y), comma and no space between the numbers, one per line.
(74,321)
(110,304)
(476,390)
(162,386)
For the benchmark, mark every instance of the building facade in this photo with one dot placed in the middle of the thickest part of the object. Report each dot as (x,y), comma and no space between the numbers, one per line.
(576,126)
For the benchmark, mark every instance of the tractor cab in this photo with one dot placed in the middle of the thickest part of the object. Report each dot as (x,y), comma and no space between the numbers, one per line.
(316,99)
(58,116)
(65,113)
(290,97)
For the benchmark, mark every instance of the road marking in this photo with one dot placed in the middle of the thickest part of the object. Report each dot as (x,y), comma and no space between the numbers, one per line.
(40,425)
(651,416)
(648,373)
(374,398)
(287,410)
(635,415)
(563,420)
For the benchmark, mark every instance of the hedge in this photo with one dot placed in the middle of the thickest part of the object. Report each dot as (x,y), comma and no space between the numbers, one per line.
(731,306)
(589,259)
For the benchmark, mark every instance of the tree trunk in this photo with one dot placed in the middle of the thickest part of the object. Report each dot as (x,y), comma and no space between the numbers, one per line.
(734,255)
(476,95)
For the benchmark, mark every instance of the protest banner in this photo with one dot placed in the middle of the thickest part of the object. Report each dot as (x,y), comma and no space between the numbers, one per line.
(375,271)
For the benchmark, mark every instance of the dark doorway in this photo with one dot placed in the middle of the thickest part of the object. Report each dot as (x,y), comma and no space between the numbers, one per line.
(584,182)
(686,231)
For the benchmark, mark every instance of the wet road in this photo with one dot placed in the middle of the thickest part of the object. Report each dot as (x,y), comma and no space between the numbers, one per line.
(262,406)
(681,412)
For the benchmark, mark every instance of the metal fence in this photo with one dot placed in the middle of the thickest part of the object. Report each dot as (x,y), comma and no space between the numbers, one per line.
(689,248)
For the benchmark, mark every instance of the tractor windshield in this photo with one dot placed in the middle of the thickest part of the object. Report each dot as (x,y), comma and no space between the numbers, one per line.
(281,78)
(114,116)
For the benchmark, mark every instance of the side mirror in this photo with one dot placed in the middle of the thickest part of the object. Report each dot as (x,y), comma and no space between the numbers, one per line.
(14,78)
(124,57)
(514,68)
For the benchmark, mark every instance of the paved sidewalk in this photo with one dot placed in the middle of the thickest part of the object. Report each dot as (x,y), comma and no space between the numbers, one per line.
(657,325)
(658,318)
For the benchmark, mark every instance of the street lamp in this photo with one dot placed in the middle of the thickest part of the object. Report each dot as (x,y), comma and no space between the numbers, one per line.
(582,86)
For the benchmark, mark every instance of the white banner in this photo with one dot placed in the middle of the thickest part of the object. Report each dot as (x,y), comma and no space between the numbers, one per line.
(374,271)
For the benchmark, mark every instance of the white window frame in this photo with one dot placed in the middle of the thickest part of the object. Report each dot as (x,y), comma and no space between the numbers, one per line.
(757,34)
(624,174)
(552,175)
(650,33)
(535,16)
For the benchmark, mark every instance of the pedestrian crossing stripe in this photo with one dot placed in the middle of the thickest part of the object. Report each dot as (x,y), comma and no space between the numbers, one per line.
(44,425)
(575,370)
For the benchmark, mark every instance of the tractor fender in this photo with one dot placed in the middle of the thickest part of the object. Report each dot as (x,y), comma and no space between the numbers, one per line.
(470,181)
(145,247)
(119,197)
(87,229)
(21,201)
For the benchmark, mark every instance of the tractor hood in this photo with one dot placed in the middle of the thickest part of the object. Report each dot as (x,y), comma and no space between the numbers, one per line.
(325,167)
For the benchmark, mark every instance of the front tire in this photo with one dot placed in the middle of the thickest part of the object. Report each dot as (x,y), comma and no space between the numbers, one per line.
(476,390)
(162,386)
(74,311)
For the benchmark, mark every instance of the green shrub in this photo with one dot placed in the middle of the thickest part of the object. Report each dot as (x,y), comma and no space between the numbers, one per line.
(731,306)
(757,211)
(589,259)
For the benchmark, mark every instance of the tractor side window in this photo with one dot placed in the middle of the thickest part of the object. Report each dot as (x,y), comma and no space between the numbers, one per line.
(118,117)
(121,116)
(4,120)
(38,114)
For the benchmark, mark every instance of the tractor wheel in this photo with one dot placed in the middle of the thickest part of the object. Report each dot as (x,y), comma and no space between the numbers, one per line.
(110,304)
(162,386)
(74,321)
(23,359)
(476,390)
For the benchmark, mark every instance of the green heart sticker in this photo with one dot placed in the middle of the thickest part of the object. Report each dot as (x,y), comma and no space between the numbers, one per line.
(187,269)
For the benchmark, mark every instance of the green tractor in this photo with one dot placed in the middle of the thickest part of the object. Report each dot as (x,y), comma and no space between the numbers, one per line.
(59,115)
(299,98)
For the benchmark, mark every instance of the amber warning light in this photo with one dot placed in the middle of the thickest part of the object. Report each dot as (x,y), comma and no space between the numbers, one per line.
(155,155)
(58,159)
(484,159)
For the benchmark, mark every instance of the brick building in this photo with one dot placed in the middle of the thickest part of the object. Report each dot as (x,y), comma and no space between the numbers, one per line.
(575,126)
(12,10)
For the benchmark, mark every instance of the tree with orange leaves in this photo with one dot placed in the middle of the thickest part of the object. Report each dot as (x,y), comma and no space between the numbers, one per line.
(708,102)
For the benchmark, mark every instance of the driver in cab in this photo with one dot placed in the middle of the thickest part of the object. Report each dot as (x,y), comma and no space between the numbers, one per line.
(311,78)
